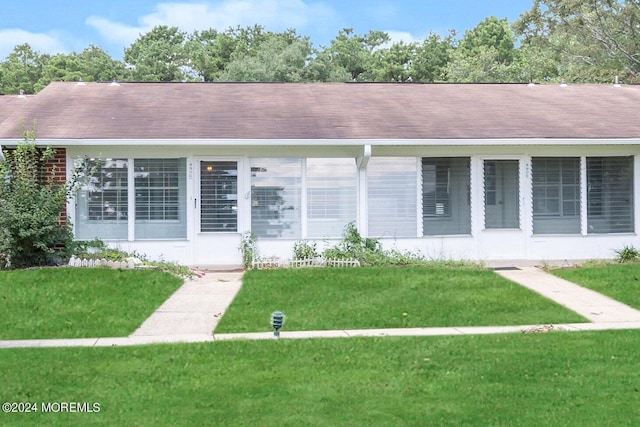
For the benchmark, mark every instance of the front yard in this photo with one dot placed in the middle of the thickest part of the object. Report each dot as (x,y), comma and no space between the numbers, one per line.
(618,281)
(79,303)
(324,299)
(553,379)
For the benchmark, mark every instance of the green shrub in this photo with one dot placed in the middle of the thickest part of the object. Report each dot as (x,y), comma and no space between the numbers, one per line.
(305,250)
(627,254)
(31,233)
(369,252)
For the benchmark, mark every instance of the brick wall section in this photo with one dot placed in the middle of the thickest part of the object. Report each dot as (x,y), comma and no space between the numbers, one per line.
(58,167)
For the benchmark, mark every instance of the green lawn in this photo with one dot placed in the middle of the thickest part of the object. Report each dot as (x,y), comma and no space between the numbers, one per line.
(620,282)
(79,303)
(554,379)
(324,299)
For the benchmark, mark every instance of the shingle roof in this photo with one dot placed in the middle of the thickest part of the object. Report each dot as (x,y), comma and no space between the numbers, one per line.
(325,111)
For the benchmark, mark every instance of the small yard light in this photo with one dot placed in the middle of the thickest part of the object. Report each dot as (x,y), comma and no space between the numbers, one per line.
(277,321)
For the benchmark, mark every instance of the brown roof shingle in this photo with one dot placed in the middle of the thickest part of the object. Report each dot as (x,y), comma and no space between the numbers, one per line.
(325,111)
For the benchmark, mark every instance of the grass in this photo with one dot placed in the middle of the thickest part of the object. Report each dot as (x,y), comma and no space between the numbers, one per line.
(618,281)
(321,299)
(79,303)
(565,379)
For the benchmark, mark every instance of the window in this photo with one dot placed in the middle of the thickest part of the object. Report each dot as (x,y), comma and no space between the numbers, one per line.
(610,195)
(160,189)
(446,207)
(556,195)
(392,187)
(102,205)
(218,196)
(331,196)
(276,198)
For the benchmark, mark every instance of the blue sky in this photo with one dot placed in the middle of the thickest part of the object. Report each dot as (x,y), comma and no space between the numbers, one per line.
(53,26)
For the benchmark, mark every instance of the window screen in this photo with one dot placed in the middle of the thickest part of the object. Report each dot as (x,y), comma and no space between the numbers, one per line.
(556,195)
(218,196)
(160,189)
(276,197)
(446,207)
(610,194)
(102,205)
(331,196)
(392,186)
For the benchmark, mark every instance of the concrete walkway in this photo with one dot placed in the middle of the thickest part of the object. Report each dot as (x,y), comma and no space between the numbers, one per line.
(194,310)
(587,303)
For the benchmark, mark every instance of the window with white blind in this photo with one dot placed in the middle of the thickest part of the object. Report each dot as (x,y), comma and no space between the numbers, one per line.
(331,196)
(102,205)
(218,196)
(610,195)
(446,204)
(160,202)
(276,197)
(556,195)
(392,187)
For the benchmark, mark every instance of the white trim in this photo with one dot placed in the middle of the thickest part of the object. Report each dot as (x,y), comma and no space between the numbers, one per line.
(304,221)
(419,199)
(243,142)
(636,194)
(131,201)
(584,190)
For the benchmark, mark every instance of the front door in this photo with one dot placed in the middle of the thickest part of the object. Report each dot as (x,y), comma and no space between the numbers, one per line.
(217,212)
(502,236)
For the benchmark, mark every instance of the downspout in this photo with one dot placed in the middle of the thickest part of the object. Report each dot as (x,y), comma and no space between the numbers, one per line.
(1,154)
(363,211)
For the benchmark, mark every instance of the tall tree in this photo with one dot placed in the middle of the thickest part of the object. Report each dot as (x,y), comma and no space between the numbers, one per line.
(158,55)
(393,63)
(352,53)
(490,33)
(595,39)
(484,54)
(21,70)
(432,57)
(278,59)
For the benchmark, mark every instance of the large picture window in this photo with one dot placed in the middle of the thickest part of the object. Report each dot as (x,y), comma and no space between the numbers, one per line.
(102,205)
(392,186)
(276,197)
(610,195)
(331,196)
(160,202)
(556,195)
(446,207)
(279,187)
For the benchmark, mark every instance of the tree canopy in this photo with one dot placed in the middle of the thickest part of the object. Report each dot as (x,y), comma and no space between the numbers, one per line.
(572,40)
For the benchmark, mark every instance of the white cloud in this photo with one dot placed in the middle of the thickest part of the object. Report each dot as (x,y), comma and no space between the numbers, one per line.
(398,36)
(42,42)
(274,15)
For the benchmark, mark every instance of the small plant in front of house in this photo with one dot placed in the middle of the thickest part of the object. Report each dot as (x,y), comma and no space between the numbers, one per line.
(248,249)
(96,249)
(627,254)
(354,246)
(305,250)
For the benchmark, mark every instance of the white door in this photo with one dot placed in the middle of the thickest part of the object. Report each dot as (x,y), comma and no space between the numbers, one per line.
(217,208)
(502,235)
